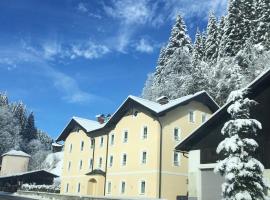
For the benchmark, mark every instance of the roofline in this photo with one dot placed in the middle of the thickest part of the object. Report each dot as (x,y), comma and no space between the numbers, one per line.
(28,172)
(249,87)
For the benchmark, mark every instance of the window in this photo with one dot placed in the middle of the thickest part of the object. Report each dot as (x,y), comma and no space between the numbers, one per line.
(82,145)
(112,139)
(145,131)
(101,142)
(79,187)
(109,188)
(70,148)
(67,186)
(204,117)
(176,158)
(92,143)
(144,155)
(69,166)
(125,138)
(90,163)
(142,187)
(80,165)
(111,161)
(176,134)
(124,160)
(123,187)
(100,163)
(191,116)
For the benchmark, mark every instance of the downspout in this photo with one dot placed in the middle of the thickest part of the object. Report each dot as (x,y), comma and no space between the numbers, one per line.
(106,163)
(160,158)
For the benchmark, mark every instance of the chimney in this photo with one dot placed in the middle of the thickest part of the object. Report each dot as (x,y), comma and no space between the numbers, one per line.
(162,100)
(100,118)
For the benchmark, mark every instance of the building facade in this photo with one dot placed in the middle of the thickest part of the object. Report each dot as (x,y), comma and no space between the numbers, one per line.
(200,146)
(132,155)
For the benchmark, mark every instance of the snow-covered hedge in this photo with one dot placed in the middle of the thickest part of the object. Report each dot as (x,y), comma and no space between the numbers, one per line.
(41,188)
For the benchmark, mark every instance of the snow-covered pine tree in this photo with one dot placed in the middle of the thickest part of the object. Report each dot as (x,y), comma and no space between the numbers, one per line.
(263,23)
(148,90)
(173,59)
(211,44)
(234,35)
(198,51)
(243,173)
(19,111)
(30,131)
(248,15)
(3,99)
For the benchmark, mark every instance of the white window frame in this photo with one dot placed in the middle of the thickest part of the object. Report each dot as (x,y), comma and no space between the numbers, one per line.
(189,116)
(142,133)
(92,141)
(140,187)
(125,140)
(79,187)
(69,166)
(82,145)
(80,165)
(111,163)
(109,189)
(100,163)
(204,115)
(178,162)
(67,187)
(142,160)
(122,160)
(101,141)
(179,134)
(90,163)
(112,139)
(70,148)
(120,188)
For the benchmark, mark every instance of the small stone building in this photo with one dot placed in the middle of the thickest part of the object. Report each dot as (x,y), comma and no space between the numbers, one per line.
(14,162)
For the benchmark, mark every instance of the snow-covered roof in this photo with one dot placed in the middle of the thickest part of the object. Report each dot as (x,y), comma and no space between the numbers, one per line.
(28,172)
(88,124)
(156,107)
(56,144)
(16,153)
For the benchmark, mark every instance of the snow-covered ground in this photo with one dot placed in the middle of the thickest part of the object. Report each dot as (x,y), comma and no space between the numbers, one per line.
(54,162)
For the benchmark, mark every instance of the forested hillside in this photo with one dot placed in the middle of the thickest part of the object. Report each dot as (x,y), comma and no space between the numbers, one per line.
(18,131)
(227,56)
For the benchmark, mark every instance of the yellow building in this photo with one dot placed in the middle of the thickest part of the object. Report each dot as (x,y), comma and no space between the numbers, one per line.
(132,154)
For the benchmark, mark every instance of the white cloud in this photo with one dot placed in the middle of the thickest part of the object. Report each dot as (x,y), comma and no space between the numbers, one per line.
(82,7)
(66,85)
(144,46)
(129,11)
(89,50)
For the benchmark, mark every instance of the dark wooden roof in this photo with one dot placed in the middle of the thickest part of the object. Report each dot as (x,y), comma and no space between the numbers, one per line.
(96,172)
(37,173)
(192,142)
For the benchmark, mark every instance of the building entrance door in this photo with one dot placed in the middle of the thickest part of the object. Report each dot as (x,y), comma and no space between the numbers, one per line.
(92,187)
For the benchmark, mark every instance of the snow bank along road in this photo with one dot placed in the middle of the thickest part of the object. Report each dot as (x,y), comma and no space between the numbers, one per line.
(8,196)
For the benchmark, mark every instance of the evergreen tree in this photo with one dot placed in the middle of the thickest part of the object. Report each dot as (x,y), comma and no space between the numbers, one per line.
(30,131)
(243,173)
(198,51)
(263,23)
(234,36)
(248,15)
(3,99)
(19,111)
(211,45)
(148,89)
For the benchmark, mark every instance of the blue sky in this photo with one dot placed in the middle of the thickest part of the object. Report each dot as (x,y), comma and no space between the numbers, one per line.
(81,58)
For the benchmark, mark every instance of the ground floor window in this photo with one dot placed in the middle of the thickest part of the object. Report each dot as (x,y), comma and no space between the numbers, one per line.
(109,188)
(142,187)
(79,187)
(123,187)
(67,186)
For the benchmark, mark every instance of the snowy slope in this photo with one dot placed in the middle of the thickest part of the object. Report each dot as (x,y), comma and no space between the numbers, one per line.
(54,162)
